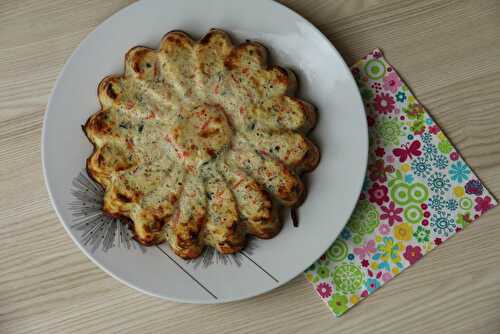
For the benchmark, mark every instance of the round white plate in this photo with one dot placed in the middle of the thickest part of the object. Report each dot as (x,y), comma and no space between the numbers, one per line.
(333,187)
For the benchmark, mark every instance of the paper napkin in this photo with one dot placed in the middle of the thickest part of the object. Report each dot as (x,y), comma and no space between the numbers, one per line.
(418,192)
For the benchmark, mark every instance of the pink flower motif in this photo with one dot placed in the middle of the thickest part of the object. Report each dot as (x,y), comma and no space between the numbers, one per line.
(384,229)
(434,129)
(392,82)
(454,155)
(483,204)
(365,263)
(438,241)
(378,194)
(384,103)
(324,290)
(364,294)
(391,213)
(412,254)
(386,277)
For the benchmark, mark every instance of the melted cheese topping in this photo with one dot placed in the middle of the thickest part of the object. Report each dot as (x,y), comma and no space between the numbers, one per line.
(198,141)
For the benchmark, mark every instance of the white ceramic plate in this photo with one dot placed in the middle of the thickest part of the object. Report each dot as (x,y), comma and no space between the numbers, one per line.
(333,187)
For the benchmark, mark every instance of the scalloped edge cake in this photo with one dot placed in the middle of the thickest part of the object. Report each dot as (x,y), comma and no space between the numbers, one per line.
(199,143)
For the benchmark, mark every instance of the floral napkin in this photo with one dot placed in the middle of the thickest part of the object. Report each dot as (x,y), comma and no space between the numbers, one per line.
(418,192)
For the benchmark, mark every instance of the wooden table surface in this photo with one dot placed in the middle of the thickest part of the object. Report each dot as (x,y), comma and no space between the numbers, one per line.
(448,52)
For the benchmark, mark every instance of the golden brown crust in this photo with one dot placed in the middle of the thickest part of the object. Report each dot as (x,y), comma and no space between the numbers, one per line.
(199,142)
(248,55)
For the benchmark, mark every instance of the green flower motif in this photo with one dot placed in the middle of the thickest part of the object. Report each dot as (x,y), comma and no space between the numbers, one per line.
(400,193)
(444,146)
(466,203)
(348,278)
(364,219)
(413,214)
(338,304)
(421,234)
(374,69)
(323,272)
(338,251)
(403,193)
(357,239)
(389,130)
(366,94)
(418,193)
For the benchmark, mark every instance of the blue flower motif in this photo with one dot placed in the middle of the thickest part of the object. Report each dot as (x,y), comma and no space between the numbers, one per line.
(400,96)
(452,204)
(428,121)
(420,166)
(372,284)
(426,138)
(409,178)
(442,223)
(437,202)
(345,234)
(350,257)
(440,161)
(439,183)
(459,171)
(430,150)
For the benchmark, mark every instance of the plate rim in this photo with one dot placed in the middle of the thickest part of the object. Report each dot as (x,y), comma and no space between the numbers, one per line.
(66,226)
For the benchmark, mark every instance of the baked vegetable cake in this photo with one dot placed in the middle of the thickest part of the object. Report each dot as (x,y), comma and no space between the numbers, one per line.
(199,143)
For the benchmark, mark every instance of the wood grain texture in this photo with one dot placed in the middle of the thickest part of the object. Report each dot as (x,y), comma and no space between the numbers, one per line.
(448,52)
